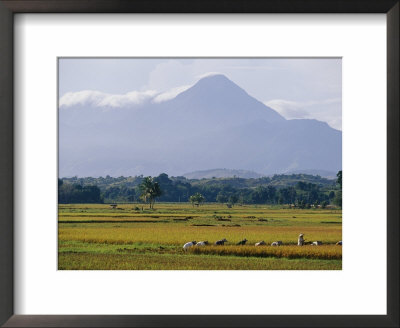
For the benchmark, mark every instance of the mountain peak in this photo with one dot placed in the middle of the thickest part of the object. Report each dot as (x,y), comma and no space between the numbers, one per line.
(215,77)
(217,87)
(222,100)
(217,81)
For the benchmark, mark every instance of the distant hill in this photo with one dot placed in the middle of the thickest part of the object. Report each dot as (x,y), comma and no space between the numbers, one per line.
(213,124)
(322,173)
(277,180)
(222,173)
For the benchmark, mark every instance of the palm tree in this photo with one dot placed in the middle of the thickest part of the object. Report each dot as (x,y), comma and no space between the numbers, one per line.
(150,190)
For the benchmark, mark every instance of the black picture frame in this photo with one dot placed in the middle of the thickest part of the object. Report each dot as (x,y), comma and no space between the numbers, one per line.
(10,7)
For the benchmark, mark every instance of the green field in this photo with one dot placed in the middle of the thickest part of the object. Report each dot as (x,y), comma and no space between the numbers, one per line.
(133,237)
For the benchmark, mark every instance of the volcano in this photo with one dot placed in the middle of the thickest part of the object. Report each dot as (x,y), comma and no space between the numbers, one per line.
(213,124)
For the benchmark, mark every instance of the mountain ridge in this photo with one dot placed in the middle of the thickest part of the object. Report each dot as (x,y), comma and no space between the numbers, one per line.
(215,123)
(221,173)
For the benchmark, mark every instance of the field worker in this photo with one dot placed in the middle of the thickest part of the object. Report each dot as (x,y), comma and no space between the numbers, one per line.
(300,241)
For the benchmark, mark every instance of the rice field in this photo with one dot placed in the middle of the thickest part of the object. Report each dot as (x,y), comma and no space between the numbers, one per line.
(133,237)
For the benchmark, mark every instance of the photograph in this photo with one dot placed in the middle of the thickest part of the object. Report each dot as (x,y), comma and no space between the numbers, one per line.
(200,142)
(218,163)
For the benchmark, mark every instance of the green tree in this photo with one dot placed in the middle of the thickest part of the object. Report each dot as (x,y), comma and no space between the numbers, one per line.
(221,197)
(197,199)
(233,199)
(301,204)
(339,179)
(74,193)
(150,190)
(338,199)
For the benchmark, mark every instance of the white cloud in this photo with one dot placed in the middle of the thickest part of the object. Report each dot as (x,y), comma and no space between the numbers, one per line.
(201,76)
(289,109)
(254,68)
(81,98)
(130,98)
(170,74)
(100,99)
(170,94)
(326,110)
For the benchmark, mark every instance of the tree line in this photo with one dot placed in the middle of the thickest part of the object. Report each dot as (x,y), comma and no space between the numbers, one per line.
(297,189)
(76,193)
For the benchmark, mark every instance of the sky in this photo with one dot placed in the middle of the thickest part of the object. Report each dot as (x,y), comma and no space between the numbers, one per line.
(296,88)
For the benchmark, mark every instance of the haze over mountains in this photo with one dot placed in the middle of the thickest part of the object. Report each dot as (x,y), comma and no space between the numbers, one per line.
(213,124)
(222,173)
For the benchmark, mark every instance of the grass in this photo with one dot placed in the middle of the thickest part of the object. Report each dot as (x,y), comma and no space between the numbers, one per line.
(95,236)
(327,252)
(84,261)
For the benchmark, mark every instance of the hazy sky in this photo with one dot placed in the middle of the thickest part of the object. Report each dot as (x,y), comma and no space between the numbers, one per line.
(296,88)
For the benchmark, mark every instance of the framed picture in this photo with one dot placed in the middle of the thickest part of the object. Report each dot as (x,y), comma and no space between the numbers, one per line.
(215,122)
